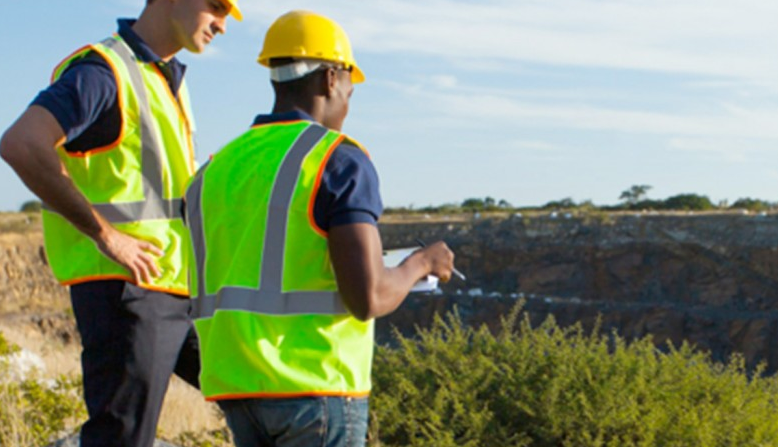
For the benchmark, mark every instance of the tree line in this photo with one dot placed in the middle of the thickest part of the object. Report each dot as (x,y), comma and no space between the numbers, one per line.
(634,198)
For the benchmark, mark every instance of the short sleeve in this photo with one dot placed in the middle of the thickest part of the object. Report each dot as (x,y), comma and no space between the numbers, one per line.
(82,96)
(349,190)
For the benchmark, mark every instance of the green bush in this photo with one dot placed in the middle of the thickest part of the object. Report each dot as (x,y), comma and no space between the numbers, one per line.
(551,386)
(31,206)
(35,413)
(688,202)
(751,204)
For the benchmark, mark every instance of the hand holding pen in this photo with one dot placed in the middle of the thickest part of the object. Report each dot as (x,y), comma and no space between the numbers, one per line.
(456,272)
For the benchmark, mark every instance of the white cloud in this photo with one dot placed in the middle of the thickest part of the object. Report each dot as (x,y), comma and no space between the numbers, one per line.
(727,150)
(709,37)
(493,111)
(444,81)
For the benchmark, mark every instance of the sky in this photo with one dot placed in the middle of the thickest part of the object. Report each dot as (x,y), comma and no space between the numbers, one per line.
(527,101)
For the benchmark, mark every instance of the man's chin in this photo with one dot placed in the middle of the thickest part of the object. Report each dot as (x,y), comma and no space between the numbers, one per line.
(197,48)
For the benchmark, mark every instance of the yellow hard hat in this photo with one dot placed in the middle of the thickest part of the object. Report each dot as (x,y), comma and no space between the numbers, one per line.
(307,35)
(234,10)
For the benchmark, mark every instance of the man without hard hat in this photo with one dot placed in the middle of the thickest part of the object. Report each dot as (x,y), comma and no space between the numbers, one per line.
(108,149)
(288,272)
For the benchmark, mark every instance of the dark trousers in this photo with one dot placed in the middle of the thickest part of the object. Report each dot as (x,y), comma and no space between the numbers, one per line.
(133,340)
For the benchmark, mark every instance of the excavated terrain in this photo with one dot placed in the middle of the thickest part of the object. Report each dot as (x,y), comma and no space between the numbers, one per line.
(711,280)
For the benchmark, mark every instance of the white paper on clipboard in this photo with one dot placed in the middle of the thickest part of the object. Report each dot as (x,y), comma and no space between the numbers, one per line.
(393,258)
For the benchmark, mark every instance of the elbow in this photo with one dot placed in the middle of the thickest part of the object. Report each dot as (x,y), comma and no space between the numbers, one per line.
(9,150)
(5,151)
(364,307)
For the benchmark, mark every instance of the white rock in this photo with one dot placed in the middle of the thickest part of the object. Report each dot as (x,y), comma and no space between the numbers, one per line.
(21,366)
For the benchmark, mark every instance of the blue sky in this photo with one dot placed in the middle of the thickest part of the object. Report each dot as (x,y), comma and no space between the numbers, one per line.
(523,100)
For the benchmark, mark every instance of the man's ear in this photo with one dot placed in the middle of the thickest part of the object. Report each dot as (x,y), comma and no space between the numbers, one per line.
(329,81)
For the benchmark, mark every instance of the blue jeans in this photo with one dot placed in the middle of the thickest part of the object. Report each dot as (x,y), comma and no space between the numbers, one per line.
(298,422)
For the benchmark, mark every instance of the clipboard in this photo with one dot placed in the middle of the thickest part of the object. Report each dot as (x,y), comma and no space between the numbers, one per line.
(393,258)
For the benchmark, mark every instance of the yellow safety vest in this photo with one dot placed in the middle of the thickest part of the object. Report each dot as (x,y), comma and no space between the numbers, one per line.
(136,183)
(267,311)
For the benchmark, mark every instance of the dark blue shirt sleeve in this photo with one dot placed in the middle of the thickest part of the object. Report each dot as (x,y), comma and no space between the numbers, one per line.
(85,94)
(349,190)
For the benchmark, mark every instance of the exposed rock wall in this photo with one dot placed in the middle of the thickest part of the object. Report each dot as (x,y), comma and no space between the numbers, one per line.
(711,280)
(718,260)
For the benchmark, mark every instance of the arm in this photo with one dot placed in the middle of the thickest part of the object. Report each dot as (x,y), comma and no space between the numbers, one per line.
(368,288)
(28,147)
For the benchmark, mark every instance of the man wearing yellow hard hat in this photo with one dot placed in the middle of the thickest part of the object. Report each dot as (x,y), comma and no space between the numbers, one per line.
(288,272)
(108,148)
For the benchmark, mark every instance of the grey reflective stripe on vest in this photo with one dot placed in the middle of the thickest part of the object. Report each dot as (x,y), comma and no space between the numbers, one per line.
(194,220)
(153,206)
(271,303)
(268,298)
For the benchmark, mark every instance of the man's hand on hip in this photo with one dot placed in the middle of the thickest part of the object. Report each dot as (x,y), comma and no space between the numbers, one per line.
(135,255)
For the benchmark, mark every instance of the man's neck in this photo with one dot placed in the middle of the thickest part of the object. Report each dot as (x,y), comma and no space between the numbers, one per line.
(155,31)
(288,106)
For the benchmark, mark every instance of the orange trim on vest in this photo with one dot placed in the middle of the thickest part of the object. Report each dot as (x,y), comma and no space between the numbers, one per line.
(69,56)
(356,394)
(274,123)
(119,100)
(317,185)
(125,278)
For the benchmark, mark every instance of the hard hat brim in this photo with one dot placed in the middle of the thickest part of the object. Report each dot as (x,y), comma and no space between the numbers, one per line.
(235,11)
(357,76)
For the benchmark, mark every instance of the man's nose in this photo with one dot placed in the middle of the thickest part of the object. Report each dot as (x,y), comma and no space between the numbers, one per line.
(219,25)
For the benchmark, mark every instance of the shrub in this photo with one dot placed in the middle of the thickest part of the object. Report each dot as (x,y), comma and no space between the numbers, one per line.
(751,204)
(31,206)
(34,412)
(689,202)
(551,386)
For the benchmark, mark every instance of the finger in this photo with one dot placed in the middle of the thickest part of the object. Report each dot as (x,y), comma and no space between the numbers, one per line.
(136,274)
(144,275)
(150,265)
(149,247)
(147,270)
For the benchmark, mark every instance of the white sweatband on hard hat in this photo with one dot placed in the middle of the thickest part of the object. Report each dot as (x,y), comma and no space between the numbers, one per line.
(295,70)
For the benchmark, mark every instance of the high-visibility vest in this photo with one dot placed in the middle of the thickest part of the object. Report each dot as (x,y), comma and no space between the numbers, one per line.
(267,311)
(137,182)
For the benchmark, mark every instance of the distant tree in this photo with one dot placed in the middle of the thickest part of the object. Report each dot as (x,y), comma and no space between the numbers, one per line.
(503,204)
(634,194)
(489,202)
(565,203)
(31,206)
(691,202)
(473,204)
(750,204)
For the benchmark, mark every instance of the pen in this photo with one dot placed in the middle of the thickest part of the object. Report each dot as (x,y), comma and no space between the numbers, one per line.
(453,269)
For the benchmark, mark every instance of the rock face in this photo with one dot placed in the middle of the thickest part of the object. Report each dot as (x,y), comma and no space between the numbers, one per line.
(711,279)
(25,278)
(30,298)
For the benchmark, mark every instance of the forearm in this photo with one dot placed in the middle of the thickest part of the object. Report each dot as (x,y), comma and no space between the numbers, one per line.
(395,283)
(32,156)
(367,287)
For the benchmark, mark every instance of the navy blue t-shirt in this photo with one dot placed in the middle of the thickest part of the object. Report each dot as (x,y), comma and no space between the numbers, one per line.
(349,190)
(84,98)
